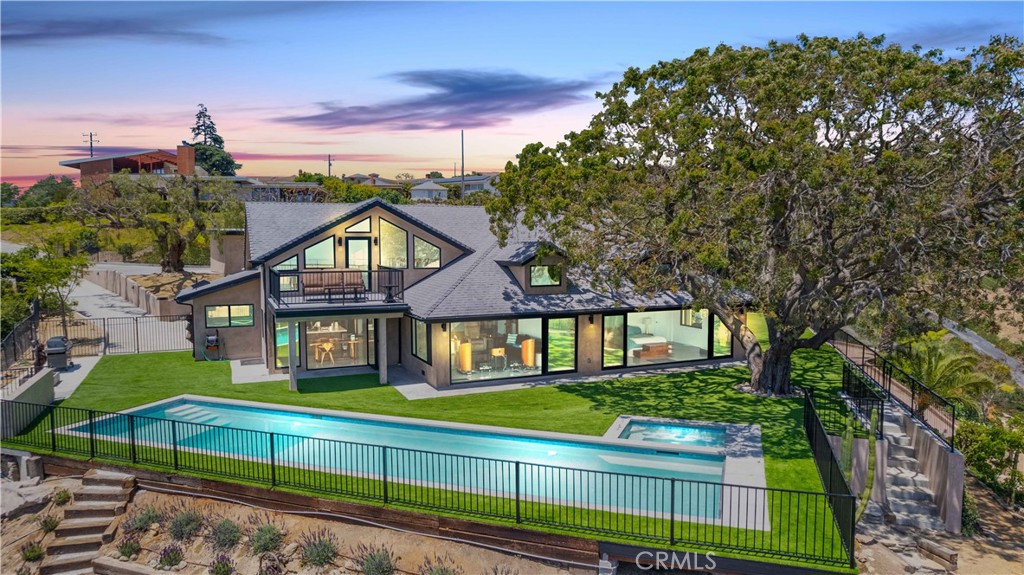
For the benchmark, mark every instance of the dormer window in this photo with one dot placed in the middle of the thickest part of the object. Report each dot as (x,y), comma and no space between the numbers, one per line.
(545,276)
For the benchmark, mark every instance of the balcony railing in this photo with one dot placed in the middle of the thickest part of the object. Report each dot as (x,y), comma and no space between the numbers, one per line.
(341,287)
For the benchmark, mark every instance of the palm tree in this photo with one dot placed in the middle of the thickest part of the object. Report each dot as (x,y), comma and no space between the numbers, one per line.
(951,375)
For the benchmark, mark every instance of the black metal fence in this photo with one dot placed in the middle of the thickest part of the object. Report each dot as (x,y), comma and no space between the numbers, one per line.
(810,526)
(103,336)
(17,345)
(922,403)
(841,497)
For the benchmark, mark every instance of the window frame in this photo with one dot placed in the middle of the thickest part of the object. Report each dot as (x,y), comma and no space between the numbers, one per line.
(529,275)
(412,341)
(206,315)
(334,254)
(278,269)
(369,226)
(545,326)
(380,247)
(431,244)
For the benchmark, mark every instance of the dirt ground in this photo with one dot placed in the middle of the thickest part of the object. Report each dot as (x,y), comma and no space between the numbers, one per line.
(19,530)
(167,285)
(411,549)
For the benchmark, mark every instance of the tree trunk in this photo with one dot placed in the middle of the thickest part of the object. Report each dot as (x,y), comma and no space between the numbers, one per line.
(773,375)
(173,260)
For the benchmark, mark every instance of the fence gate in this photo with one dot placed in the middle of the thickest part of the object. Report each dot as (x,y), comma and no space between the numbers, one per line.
(104,336)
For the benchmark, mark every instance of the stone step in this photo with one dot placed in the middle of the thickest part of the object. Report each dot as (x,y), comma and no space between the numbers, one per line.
(901,450)
(94,509)
(74,544)
(889,427)
(103,493)
(893,416)
(57,564)
(905,478)
(898,492)
(96,477)
(918,521)
(914,506)
(901,439)
(908,463)
(85,526)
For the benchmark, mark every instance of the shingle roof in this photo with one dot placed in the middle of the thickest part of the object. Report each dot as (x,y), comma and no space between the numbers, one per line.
(475,285)
(216,285)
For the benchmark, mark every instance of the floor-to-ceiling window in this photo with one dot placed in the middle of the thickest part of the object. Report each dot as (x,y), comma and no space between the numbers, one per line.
(281,343)
(561,342)
(338,343)
(613,342)
(663,336)
(722,339)
(496,349)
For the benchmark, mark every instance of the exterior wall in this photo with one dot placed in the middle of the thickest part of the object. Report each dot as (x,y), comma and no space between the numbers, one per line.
(236,342)
(38,389)
(944,469)
(122,285)
(227,255)
(590,346)
(394,340)
(97,171)
(448,251)
(438,371)
(186,161)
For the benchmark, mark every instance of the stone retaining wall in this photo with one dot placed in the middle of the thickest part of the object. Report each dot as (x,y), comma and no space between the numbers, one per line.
(122,285)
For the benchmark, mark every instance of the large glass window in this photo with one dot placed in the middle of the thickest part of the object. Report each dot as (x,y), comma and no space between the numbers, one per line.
(229,316)
(421,340)
(394,252)
(661,337)
(561,339)
(360,227)
(613,345)
(541,276)
(281,344)
(425,254)
(496,349)
(320,255)
(289,282)
(722,339)
(337,343)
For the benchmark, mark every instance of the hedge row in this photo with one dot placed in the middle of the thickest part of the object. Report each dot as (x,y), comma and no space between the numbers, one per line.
(16,216)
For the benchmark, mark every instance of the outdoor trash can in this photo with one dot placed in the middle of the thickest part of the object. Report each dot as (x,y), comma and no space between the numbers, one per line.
(57,349)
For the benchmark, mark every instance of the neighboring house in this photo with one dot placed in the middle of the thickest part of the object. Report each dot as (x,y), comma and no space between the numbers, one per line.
(428,192)
(373,180)
(484,183)
(99,168)
(428,290)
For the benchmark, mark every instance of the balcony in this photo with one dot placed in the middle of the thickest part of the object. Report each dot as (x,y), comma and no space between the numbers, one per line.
(337,287)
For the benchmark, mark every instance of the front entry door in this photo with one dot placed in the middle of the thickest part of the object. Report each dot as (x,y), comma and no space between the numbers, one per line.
(357,256)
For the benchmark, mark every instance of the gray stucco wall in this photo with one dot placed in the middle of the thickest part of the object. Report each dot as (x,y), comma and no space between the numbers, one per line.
(944,469)
(38,389)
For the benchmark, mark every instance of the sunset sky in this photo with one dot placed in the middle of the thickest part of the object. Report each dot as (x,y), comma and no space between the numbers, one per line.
(385,87)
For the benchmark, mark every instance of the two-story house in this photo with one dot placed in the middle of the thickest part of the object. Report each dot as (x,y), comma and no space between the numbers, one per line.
(427,289)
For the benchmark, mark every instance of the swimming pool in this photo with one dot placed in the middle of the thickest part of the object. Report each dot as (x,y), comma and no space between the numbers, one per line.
(674,433)
(578,470)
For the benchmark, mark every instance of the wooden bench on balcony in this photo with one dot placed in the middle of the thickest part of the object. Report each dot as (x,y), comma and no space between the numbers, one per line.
(344,286)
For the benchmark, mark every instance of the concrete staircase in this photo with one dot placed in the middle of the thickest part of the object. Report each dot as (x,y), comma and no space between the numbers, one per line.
(87,523)
(911,502)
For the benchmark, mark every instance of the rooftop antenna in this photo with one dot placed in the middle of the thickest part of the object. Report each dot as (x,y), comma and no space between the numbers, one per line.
(90,135)
(329,164)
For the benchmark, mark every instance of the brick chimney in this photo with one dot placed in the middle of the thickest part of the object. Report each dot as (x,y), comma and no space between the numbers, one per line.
(373,179)
(186,160)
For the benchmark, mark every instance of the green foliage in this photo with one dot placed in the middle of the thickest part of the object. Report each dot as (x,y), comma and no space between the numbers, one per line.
(215,161)
(32,551)
(970,518)
(341,191)
(992,452)
(951,375)
(225,534)
(222,565)
(264,536)
(206,130)
(777,171)
(48,523)
(318,548)
(185,524)
(26,215)
(140,519)
(62,497)
(129,545)
(439,565)
(46,274)
(126,250)
(375,559)
(310,177)
(8,192)
(434,175)
(47,191)
(171,555)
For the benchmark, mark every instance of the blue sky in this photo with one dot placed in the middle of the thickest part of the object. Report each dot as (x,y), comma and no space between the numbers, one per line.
(384,86)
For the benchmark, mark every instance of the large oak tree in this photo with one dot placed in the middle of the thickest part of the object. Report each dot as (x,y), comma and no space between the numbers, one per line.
(804,180)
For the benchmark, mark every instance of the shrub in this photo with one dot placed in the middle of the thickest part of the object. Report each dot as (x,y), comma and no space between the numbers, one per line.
(222,565)
(129,545)
(48,523)
(225,534)
(185,524)
(171,556)
(88,241)
(62,497)
(970,519)
(17,216)
(375,559)
(126,250)
(439,565)
(265,538)
(318,548)
(32,551)
(141,519)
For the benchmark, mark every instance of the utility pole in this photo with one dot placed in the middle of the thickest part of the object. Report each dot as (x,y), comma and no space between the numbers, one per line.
(90,135)
(462,137)
(329,165)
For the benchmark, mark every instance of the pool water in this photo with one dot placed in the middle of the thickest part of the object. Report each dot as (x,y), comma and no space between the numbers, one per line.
(675,434)
(300,440)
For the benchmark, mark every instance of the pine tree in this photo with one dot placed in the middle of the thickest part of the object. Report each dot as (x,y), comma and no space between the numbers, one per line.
(206,129)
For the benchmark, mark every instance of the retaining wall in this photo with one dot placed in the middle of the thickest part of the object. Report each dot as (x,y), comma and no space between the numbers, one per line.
(944,469)
(122,285)
(37,389)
